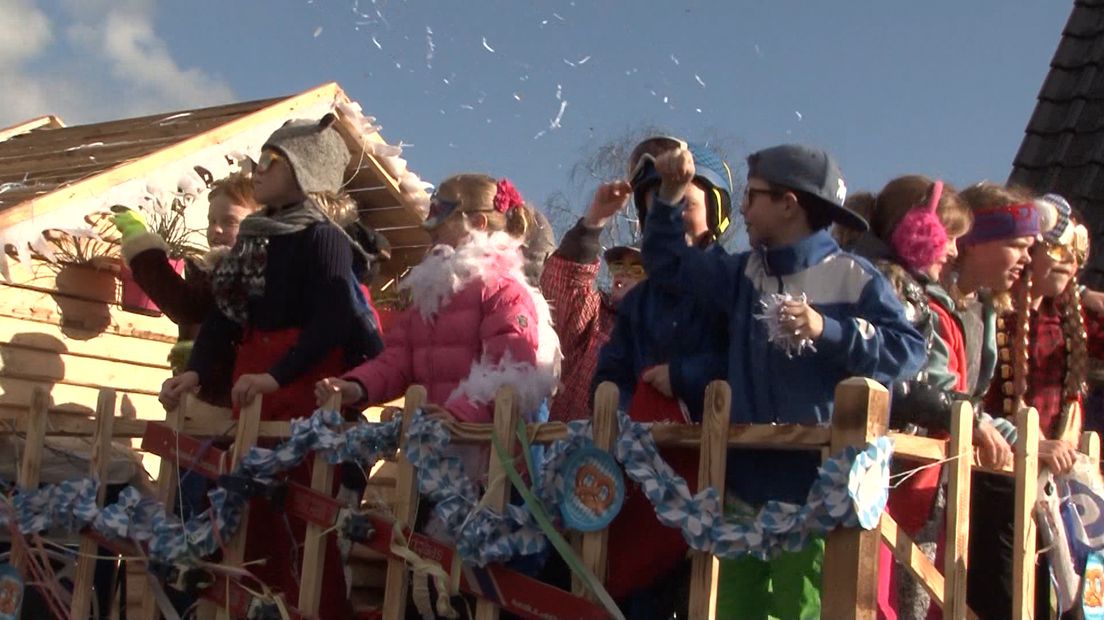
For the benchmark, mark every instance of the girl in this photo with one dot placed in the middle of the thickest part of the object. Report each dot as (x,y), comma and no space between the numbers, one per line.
(187,299)
(915,223)
(289,311)
(475,324)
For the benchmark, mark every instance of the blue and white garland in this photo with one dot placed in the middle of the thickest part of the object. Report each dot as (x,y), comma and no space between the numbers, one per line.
(850,490)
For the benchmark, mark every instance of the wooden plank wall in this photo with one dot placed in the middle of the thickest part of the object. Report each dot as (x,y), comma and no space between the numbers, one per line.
(73,341)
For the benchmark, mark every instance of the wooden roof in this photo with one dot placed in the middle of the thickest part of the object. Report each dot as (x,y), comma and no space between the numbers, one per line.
(45,166)
(1063,146)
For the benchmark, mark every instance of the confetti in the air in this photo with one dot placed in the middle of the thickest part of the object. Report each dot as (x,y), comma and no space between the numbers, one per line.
(697,78)
(430,47)
(376,42)
(559,116)
(674,59)
(486,46)
(466,106)
(758,52)
(517,96)
(799,117)
(559,92)
(698,110)
(317,31)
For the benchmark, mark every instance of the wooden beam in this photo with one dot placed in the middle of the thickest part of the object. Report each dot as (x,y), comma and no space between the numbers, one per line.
(314,543)
(31,465)
(1024,536)
(604,431)
(97,184)
(167,476)
(913,559)
(246,438)
(101,459)
(956,548)
(405,510)
(496,497)
(49,121)
(850,589)
(1090,445)
(704,567)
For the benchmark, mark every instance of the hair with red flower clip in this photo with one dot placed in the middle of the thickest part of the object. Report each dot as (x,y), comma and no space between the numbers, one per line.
(507,196)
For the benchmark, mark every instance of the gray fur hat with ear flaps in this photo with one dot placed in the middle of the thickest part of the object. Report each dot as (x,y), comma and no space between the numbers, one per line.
(315,151)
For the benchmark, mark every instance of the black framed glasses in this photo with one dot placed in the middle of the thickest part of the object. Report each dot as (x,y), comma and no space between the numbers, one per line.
(751,192)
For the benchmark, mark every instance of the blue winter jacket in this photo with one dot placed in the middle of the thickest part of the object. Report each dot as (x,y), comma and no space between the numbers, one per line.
(865,334)
(656,324)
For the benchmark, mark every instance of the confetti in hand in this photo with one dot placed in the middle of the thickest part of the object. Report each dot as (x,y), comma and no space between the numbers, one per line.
(777,331)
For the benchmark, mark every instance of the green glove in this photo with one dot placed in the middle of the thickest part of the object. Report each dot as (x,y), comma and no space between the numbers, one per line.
(129,222)
(179,355)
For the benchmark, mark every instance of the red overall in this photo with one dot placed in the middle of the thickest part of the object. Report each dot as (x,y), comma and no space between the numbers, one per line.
(272,535)
(631,567)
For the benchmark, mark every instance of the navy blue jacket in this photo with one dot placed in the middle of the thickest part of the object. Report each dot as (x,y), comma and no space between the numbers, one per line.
(865,334)
(656,324)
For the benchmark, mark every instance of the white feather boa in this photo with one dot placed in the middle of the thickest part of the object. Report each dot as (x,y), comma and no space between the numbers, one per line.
(488,257)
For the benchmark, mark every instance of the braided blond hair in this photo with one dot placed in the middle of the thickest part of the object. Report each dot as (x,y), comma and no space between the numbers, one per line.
(1077,351)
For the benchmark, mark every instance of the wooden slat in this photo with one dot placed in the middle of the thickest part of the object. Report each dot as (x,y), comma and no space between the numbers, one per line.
(1024,536)
(61,308)
(604,430)
(704,568)
(913,559)
(314,544)
(246,438)
(406,509)
(1090,445)
(956,549)
(851,555)
(101,458)
(93,186)
(166,494)
(31,465)
(48,336)
(17,393)
(506,417)
(49,122)
(38,365)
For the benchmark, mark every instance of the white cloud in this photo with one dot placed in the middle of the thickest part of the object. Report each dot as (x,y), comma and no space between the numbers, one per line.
(94,60)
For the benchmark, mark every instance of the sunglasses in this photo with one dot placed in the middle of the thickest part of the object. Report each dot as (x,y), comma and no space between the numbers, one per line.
(632,270)
(267,160)
(1059,253)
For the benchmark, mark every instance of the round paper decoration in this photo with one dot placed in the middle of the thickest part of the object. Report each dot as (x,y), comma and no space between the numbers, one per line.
(594,490)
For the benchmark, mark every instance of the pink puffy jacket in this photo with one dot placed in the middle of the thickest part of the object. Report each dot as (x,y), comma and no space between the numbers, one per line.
(475,326)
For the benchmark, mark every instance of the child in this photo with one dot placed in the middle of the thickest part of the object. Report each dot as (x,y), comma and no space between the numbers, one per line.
(289,311)
(850,314)
(669,344)
(186,299)
(1044,345)
(475,324)
(583,315)
(915,223)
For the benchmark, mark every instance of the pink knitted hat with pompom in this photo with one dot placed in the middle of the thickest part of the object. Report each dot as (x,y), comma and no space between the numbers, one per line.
(920,238)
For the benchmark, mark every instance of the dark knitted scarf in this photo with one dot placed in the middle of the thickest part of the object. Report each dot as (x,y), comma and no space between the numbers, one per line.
(240,276)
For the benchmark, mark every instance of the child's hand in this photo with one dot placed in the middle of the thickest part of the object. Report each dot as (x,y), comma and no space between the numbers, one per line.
(800,318)
(248,387)
(676,171)
(609,198)
(1058,455)
(172,390)
(1093,301)
(993,449)
(350,391)
(130,223)
(659,377)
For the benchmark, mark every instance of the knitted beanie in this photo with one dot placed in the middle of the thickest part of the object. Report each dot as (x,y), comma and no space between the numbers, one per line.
(315,151)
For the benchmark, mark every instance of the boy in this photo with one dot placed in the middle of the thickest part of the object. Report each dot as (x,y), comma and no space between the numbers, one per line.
(852,316)
(583,315)
(670,343)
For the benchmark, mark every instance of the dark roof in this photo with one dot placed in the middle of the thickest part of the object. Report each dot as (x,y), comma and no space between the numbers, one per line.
(1063,149)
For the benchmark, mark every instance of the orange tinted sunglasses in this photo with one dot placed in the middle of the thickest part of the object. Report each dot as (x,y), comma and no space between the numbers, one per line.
(267,160)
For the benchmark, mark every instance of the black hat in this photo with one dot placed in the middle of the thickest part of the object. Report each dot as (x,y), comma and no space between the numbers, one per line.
(810,170)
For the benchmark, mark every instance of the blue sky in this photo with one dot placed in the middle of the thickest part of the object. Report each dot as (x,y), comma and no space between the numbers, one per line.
(942,87)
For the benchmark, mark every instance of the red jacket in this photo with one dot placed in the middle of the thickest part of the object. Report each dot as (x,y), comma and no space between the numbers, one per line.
(582,315)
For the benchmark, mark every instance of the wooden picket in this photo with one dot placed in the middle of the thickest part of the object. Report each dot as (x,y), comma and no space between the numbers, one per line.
(850,563)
